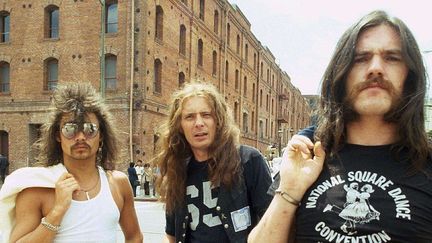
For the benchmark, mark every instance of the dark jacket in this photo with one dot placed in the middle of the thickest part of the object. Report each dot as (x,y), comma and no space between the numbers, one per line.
(4,163)
(250,192)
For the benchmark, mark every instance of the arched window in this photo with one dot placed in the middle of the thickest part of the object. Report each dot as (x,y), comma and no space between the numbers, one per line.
(159,23)
(226,71)
(216,22)
(202,9)
(51,73)
(228,34)
(182,42)
(236,83)
(236,110)
(245,122)
(238,45)
(245,86)
(181,79)
(253,121)
(253,92)
(254,62)
(4,26)
(246,52)
(157,84)
(111,17)
(4,77)
(214,65)
(261,96)
(200,52)
(52,22)
(110,72)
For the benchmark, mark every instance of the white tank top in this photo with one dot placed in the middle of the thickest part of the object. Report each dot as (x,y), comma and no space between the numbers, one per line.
(94,220)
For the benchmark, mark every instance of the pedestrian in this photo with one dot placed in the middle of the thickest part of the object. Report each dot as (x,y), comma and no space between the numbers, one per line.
(77,196)
(140,172)
(4,164)
(133,178)
(214,188)
(367,177)
(148,177)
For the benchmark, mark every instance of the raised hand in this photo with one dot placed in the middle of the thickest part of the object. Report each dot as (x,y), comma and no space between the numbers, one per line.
(301,165)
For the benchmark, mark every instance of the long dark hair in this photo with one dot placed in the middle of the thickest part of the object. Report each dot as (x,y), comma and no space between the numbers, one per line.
(174,150)
(78,99)
(408,116)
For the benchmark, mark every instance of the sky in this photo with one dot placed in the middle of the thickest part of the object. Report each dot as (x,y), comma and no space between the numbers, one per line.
(302,35)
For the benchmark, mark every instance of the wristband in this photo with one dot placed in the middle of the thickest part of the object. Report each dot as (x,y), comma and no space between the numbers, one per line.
(51,227)
(288,198)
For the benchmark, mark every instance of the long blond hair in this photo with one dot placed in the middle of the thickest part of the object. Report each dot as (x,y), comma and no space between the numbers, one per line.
(174,150)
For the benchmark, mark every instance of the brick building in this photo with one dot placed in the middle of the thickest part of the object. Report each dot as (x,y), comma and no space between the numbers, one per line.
(149,49)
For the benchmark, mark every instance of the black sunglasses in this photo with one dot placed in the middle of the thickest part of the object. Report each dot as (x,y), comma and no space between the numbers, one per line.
(70,130)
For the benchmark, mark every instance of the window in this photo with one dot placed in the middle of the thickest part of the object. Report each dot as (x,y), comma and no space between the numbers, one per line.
(245,122)
(51,73)
(238,45)
(253,92)
(110,71)
(157,84)
(4,77)
(181,79)
(159,23)
(111,17)
(214,69)
(261,95)
(236,109)
(182,42)
(200,53)
(216,22)
(253,121)
(245,86)
(226,71)
(261,129)
(52,22)
(202,9)
(262,69)
(254,62)
(236,79)
(228,34)
(4,26)
(246,52)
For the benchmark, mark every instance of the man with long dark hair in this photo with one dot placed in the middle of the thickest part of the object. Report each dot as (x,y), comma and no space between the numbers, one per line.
(76,196)
(214,189)
(367,177)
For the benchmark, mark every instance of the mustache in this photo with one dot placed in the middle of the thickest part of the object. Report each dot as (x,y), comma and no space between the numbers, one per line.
(80,145)
(374,81)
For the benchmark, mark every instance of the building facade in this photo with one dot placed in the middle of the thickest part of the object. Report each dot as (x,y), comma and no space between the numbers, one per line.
(138,53)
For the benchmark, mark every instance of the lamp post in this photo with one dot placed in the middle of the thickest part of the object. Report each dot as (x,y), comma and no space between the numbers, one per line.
(280,132)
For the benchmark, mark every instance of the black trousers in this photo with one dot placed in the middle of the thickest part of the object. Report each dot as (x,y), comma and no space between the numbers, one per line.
(147,187)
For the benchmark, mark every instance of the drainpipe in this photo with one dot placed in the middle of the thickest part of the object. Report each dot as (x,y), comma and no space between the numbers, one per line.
(132,64)
(102,50)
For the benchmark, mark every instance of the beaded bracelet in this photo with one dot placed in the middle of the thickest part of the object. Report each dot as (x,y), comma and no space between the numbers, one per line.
(288,198)
(46,224)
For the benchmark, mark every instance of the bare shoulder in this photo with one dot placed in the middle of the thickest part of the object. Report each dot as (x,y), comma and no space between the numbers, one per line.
(117,177)
(36,198)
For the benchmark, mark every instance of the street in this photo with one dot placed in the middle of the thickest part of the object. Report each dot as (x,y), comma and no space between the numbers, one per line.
(151,218)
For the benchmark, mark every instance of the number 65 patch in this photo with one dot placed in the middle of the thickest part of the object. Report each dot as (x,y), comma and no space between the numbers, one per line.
(241,219)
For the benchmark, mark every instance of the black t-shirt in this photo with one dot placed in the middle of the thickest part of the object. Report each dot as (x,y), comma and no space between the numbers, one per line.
(205,225)
(366,196)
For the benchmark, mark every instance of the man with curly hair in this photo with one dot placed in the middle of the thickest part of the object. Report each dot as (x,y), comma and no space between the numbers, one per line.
(214,188)
(76,196)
